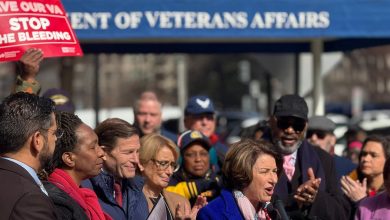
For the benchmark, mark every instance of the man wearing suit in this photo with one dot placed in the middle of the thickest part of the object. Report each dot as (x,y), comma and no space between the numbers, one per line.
(308,185)
(28,132)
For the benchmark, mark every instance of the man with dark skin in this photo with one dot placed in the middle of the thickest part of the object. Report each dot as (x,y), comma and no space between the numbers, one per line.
(308,185)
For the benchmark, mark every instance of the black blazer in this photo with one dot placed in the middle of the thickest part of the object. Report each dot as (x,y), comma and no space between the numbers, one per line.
(329,204)
(66,207)
(20,196)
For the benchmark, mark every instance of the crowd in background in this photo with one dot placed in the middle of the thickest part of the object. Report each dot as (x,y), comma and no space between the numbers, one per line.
(285,167)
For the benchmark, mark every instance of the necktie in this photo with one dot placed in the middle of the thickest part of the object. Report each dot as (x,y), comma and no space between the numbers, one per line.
(263,215)
(118,193)
(266,214)
(288,167)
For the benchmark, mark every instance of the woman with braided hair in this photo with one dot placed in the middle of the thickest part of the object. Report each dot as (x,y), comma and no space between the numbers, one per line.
(77,157)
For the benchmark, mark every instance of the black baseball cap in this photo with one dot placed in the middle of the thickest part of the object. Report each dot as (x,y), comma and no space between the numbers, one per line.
(291,105)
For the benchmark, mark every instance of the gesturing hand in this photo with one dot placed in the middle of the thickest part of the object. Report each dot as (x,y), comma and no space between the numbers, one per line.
(307,192)
(190,214)
(354,190)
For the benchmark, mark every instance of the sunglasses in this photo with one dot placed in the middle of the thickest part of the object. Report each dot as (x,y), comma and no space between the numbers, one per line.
(320,134)
(286,122)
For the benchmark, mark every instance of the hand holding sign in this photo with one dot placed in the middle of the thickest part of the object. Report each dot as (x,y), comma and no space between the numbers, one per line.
(30,64)
(31,23)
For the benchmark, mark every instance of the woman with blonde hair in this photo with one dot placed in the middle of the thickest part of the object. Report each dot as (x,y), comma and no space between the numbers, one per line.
(158,156)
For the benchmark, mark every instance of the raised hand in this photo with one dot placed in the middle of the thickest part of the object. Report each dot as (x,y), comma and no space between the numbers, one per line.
(201,201)
(354,190)
(182,214)
(306,193)
(30,64)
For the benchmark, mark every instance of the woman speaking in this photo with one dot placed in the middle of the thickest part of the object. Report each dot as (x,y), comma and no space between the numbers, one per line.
(250,172)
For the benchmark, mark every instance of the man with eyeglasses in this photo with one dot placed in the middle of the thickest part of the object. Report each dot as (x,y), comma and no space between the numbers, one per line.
(195,177)
(320,134)
(27,140)
(308,185)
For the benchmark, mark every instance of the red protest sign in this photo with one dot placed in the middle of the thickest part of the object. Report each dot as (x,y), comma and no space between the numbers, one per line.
(35,23)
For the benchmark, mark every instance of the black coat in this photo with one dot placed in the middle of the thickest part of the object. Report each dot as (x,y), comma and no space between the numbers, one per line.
(66,207)
(21,197)
(329,202)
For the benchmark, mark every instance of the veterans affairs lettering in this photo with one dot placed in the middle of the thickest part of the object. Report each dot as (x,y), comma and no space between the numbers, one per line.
(284,20)
(199,20)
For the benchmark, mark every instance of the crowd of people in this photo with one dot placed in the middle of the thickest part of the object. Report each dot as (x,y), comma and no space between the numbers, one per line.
(54,166)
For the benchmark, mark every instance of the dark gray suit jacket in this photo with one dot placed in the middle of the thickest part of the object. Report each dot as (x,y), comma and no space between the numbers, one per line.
(20,195)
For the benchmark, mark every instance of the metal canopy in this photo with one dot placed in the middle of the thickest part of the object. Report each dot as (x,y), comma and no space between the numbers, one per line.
(221,26)
(233,25)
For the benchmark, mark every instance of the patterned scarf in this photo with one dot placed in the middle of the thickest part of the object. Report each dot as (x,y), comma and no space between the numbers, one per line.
(247,209)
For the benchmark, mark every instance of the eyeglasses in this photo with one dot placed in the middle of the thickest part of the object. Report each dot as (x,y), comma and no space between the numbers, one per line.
(58,133)
(163,165)
(285,122)
(320,134)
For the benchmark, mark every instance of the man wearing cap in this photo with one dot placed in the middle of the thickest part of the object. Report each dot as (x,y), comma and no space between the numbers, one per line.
(320,134)
(308,185)
(26,82)
(199,115)
(148,116)
(195,177)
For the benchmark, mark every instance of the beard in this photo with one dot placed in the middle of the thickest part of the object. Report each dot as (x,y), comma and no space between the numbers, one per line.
(45,156)
(289,149)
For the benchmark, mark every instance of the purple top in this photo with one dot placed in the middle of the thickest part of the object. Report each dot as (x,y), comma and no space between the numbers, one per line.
(374,208)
